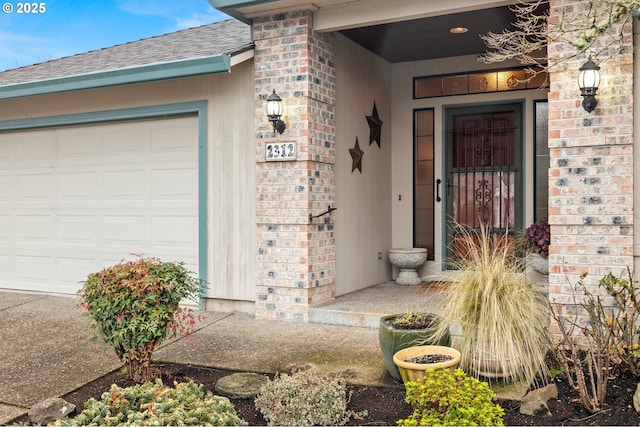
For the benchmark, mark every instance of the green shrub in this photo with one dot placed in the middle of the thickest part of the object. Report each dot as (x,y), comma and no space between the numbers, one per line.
(442,399)
(305,399)
(155,404)
(135,305)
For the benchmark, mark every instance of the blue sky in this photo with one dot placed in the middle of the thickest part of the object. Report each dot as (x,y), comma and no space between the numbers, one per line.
(69,27)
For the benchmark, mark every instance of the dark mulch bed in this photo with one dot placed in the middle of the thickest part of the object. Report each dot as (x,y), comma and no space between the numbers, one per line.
(386,405)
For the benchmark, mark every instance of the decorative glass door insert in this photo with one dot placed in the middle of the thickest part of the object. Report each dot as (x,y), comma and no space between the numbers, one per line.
(483,176)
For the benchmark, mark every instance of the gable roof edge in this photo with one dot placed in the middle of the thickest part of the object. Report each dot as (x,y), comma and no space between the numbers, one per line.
(230,7)
(138,74)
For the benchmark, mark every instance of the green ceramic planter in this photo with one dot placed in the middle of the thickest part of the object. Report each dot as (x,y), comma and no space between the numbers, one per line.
(393,340)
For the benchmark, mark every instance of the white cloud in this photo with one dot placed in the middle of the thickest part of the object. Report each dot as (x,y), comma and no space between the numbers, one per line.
(197,19)
(17,50)
(6,37)
(145,7)
(184,14)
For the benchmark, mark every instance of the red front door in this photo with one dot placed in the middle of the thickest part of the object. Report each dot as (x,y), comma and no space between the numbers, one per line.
(484,169)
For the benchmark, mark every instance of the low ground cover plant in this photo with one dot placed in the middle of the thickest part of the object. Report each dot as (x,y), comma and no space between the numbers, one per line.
(442,399)
(135,306)
(155,404)
(305,399)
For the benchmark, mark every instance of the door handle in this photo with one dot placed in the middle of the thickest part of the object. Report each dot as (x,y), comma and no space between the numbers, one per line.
(438,182)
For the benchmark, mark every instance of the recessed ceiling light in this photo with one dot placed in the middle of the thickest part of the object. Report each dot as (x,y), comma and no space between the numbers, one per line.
(458,30)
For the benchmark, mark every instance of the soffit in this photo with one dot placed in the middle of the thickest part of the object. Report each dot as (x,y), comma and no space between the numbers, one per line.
(430,38)
(398,30)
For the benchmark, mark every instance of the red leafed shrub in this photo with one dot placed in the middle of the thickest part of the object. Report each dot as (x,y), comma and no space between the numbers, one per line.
(135,306)
(538,237)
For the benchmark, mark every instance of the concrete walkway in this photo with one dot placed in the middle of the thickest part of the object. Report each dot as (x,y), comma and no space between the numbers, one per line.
(47,349)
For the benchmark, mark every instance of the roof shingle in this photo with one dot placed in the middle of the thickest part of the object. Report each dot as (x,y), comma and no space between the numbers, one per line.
(226,37)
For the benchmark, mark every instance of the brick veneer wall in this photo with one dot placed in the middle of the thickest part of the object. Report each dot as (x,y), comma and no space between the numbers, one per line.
(296,257)
(591,174)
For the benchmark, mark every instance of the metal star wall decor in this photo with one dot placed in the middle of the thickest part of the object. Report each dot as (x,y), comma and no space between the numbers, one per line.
(375,126)
(356,156)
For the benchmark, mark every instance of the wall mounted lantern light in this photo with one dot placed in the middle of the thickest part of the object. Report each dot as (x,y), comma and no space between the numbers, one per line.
(588,81)
(274,112)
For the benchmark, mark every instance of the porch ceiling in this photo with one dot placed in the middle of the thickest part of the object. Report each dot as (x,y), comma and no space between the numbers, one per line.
(430,38)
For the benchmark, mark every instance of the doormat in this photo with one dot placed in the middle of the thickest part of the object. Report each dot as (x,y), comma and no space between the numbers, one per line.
(433,285)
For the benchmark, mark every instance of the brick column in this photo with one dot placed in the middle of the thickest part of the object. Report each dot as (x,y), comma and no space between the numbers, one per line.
(591,174)
(296,257)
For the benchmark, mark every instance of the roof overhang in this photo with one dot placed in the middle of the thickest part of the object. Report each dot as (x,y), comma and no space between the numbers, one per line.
(139,74)
(398,30)
(231,7)
(335,15)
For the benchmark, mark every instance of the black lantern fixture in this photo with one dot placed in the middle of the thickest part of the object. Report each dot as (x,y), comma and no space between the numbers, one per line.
(274,112)
(588,81)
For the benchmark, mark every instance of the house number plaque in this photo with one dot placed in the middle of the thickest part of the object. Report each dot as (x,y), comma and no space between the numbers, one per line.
(280,151)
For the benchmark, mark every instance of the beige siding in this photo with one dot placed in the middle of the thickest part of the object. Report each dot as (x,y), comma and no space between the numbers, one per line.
(232,223)
(230,162)
(363,218)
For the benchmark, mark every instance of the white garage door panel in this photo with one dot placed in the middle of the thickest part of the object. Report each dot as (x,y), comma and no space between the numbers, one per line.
(6,268)
(74,200)
(174,184)
(34,271)
(172,231)
(5,155)
(121,230)
(78,186)
(124,185)
(6,188)
(34,187)
(78,145)
(34,229)
(78,230)
(34,148)
(70,269)
(128,139)
(173,139)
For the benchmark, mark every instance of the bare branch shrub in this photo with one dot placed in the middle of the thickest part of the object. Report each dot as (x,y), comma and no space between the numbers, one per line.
(601,341)
(533,32)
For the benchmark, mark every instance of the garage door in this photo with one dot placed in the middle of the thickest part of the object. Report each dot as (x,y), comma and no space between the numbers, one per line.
(76,199)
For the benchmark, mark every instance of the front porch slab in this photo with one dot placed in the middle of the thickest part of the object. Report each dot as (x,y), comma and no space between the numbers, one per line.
(365,307)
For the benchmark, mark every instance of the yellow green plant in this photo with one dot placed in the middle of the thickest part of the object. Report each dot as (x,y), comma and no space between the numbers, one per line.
(442,399)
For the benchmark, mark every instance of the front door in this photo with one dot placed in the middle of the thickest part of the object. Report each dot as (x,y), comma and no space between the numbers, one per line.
(483,169)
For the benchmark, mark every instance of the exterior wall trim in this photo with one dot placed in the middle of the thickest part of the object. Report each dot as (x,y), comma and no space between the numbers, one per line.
(199,108)
(230,7)
(121,76)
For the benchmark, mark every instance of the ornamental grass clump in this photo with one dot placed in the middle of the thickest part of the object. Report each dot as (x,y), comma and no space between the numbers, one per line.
(154,404)
(442,399)
(135,306)
(305,399)
(503,320)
